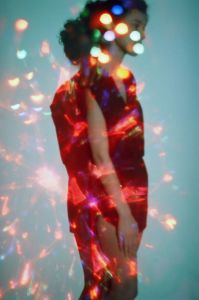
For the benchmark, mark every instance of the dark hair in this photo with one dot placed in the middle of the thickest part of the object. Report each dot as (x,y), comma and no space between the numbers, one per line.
(80,34)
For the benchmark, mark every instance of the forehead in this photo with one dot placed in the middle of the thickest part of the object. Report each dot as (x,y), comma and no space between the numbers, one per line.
(135,16)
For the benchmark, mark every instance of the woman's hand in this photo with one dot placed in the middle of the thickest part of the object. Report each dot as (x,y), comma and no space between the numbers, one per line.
(128,235)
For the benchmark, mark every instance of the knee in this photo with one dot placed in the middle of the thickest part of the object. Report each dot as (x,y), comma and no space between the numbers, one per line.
(125,288)
(129,288)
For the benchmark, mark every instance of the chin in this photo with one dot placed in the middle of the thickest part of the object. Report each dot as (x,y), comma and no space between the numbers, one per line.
(132,53)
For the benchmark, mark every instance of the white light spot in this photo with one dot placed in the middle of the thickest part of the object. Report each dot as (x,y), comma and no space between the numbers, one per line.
(135,36)
(138,48)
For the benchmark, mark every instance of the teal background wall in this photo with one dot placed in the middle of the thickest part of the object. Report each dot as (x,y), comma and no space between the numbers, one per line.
(38,256)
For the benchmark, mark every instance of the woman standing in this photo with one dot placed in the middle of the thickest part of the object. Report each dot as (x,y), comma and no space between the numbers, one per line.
(100,131)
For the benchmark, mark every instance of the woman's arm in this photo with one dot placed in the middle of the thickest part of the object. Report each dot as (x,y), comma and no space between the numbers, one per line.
(97,133)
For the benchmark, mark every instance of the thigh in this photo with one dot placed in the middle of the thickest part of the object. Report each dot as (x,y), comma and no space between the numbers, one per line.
(93,259)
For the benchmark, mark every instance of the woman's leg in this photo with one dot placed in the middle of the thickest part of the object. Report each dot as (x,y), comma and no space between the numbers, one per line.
(122,284)
(124,270)
(96,277)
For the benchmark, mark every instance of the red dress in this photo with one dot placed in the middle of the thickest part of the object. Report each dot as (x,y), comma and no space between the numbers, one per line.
(86,196)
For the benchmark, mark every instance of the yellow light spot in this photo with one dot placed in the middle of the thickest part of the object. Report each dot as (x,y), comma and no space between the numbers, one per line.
(37,98)
(21,25)
(14,82)
(29,75)
(122,73)
(104,58)
(106,19)
(121,28)
(169,222)
(93,292)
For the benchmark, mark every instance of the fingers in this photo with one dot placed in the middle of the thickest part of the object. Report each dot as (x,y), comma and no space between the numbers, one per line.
(128,243)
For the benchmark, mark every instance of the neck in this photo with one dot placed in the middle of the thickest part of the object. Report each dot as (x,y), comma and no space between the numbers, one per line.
(116,57)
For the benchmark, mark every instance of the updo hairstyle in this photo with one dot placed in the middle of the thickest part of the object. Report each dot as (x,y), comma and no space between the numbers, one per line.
(81,34)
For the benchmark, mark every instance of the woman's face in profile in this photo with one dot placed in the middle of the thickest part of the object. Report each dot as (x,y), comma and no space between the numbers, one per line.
(136,22)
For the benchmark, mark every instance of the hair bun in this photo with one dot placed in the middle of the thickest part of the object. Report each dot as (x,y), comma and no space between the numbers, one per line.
(75,39)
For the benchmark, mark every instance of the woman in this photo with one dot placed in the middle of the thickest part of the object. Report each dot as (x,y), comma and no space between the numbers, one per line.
(100,131)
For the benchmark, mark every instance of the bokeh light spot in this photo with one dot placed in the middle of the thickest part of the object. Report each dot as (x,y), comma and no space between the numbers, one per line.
(37,98)
(45,48)
(95,51)
(109,36)
(15,106)
(122,73)
(169,222)
(167,177)
(21,54)
(121,28)
(135,36)
(104,58)
(21,25)
(106,19)
(138,48)
(157,130)
(29,75)
(117,10)
(14,82)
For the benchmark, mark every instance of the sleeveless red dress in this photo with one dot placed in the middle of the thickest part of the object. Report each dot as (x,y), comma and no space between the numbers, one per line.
(86,197)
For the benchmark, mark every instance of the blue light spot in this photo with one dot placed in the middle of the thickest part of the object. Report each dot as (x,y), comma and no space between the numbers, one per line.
(117,10)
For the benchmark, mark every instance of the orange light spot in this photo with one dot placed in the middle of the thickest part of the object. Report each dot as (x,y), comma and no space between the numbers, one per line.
(21,25)
(45,48)
(74,225)
(92,61)
(132,268)
(93,292)
(106,19)
(12,284)
(43,253)
(58,235)
(121,28)
(132,89)
(26,273)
